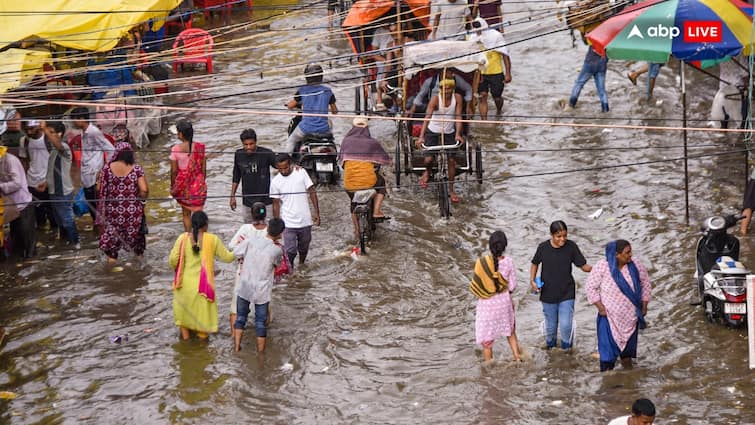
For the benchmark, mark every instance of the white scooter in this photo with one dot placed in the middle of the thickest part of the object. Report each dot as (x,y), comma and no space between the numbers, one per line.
(720,276)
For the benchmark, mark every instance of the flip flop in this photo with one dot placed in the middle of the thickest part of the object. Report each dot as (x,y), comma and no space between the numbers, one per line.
(455,199)
(632,79)
(381,219)
(422,183)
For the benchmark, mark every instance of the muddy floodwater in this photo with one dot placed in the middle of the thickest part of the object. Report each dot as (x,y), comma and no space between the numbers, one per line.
(390,338)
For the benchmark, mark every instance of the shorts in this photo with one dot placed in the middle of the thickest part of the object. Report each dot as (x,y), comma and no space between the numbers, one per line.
(379,188)
(333,5)
(653,69)
(433,139)
(491,83)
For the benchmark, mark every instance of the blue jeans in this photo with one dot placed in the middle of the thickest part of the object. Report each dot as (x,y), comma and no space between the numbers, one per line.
(260,316)
(559,316)
(62,209)
(593,67)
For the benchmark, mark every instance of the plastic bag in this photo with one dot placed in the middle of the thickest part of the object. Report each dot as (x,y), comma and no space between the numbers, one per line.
(80,206)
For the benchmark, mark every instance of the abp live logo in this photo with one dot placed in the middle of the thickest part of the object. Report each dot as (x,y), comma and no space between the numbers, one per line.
(703,32)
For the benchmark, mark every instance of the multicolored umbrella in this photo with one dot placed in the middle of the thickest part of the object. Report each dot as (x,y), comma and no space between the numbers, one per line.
(690,30)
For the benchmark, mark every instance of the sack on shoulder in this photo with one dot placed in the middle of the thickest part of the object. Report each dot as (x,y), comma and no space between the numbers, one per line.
(486,281)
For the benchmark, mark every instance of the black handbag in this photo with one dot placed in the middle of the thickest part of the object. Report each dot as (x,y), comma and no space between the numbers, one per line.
(143,229)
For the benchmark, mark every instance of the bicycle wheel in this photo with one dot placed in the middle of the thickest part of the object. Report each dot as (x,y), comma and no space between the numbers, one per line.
(478,162)
(364,232)
(444,203)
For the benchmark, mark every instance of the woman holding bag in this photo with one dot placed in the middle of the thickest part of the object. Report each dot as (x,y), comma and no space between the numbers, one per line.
(193,258)
(492,283)
(188,166)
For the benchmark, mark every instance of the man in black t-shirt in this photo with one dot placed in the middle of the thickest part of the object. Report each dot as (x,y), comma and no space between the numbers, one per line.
(251,167)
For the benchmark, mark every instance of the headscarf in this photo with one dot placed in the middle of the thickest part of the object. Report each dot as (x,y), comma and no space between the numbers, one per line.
(358,145)
(490,38)
(634,296)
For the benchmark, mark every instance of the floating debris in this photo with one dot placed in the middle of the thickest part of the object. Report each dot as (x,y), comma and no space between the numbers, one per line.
(596,214)
(7,395)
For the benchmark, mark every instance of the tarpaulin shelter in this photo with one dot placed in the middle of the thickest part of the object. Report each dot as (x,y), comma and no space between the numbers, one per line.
(77,24)
(19,66)
(366,15)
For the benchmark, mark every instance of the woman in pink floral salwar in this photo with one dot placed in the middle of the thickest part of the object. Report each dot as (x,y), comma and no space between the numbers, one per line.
(620,289)
(493,281)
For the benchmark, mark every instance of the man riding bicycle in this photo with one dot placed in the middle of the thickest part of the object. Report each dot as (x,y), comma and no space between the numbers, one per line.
(361,156)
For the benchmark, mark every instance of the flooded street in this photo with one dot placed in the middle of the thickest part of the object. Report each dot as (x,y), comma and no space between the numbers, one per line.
(390,338)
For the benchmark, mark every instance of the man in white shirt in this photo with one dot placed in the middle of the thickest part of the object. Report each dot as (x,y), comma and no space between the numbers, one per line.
(34,152)
(289,191)
(643,413)
(95,152)
(449,19)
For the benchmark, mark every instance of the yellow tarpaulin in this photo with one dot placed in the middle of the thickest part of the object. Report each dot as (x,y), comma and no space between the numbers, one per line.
(77,24)
(19,66)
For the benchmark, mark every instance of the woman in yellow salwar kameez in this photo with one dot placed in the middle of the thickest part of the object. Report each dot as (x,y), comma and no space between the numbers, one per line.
(193,258)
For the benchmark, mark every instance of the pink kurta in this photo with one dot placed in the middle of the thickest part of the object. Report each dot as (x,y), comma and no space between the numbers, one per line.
(620,311)
(495,315)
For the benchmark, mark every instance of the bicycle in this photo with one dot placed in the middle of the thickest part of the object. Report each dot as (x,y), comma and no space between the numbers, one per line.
(366,223)
(444,201)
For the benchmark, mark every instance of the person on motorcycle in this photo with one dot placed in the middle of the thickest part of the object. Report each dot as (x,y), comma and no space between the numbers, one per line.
(361,157)
(313,98)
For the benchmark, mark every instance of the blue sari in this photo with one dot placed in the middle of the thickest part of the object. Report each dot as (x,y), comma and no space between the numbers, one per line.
(607,347)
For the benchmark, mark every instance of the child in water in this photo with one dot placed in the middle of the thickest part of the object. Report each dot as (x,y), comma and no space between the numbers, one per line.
(493,281)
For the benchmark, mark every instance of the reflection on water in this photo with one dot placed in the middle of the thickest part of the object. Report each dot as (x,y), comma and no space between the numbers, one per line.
(390,338)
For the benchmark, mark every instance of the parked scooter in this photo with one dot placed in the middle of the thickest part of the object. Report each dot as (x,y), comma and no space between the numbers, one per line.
(720,276)
(317,154)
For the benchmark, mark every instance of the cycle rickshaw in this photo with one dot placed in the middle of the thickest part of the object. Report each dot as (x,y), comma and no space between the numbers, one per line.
(418,59)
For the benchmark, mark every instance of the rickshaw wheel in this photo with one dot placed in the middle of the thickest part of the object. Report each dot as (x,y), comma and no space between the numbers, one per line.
(478,162)
(397,160)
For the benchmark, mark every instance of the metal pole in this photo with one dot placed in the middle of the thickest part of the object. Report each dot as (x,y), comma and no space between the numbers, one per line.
(684,136)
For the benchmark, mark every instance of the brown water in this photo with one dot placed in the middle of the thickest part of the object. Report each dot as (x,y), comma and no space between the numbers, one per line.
(390,338)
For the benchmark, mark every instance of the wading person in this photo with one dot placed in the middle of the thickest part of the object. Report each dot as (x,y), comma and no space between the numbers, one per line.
(251,168)
(492,283)
(643,413)
(193,259)
(498,71)
(291,190)
(123,188)
(34,153)
(256,229)
(261,256)
(188,167)
(13,186)
(593,66)
(620,289)
(558,290)
(95,153)
(58,181)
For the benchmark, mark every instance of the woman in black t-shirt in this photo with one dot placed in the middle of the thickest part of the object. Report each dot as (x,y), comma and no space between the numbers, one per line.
(558,287)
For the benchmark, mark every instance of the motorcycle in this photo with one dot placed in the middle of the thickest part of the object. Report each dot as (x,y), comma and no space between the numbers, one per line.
(721,278)
(317,154)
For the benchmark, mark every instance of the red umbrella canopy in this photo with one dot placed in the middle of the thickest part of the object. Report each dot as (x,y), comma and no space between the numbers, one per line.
(690,30)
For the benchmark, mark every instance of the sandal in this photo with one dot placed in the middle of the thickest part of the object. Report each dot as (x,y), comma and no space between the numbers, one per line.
(422,183)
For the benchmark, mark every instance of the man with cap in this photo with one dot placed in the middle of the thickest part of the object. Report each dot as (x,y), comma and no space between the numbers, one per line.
(257,228)
(361,157)
(34,153)
(251,167)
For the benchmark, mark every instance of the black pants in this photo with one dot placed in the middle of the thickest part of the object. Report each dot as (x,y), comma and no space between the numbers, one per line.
(23,234)
(43,209)
(90,193)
